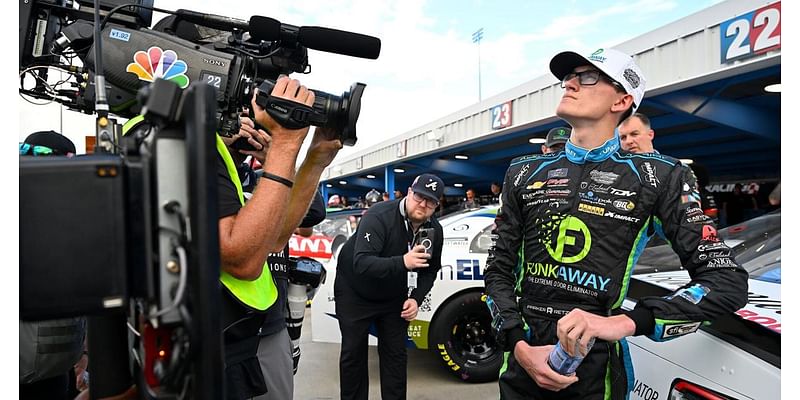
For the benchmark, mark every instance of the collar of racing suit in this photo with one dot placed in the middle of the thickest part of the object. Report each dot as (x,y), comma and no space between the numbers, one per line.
(579,155)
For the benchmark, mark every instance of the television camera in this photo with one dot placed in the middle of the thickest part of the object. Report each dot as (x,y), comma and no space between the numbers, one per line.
(130,232)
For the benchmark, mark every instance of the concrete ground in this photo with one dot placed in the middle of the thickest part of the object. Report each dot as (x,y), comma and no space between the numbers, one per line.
(318,374)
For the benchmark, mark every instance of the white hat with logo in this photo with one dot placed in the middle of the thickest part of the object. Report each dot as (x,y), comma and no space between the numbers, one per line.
(617,65)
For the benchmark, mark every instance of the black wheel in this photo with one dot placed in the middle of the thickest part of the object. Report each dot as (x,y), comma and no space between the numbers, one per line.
(461,337)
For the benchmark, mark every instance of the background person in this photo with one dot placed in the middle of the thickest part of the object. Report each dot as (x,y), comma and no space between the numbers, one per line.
(636,135)
(556,139)
(383,277)
(52,356)
(470,202)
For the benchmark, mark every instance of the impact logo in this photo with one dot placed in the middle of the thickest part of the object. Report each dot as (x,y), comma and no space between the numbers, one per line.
(157,63)
(561,234)
(521,173)
(650,172)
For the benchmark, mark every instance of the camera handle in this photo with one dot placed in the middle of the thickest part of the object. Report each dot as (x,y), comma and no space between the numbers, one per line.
(289,114)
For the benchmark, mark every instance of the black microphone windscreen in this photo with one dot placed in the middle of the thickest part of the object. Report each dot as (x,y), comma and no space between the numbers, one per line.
(265,28)
(339,42)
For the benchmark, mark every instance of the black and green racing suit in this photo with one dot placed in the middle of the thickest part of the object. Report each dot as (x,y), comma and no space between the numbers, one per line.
(571,227)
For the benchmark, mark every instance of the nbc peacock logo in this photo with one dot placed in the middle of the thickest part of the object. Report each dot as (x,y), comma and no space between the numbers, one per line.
(157,63)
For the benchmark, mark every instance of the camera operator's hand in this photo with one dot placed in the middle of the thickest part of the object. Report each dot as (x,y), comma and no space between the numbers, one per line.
(324,147)
(416,258)
(289,89)
(257,138)
(410,309)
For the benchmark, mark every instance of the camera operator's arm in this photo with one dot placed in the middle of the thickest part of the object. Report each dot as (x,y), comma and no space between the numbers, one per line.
(247,236)
(320,154)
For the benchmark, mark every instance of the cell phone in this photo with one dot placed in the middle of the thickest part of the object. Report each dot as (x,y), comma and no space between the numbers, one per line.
(242,144)
(425,238)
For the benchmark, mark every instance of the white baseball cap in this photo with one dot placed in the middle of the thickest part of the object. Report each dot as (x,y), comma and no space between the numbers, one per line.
(614,63)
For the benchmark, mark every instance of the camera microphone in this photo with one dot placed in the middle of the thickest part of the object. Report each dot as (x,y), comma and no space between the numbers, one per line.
(317,38)
(340,42)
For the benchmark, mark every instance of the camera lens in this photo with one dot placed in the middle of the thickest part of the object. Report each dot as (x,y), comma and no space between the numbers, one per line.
(339,113)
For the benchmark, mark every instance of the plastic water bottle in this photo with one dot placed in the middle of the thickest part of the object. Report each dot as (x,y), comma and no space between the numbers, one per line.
(561,362)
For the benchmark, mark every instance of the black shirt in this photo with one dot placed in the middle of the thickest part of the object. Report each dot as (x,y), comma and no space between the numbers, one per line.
(371,262)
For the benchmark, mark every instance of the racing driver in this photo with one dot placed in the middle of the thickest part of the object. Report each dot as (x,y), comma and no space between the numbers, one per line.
(571,227)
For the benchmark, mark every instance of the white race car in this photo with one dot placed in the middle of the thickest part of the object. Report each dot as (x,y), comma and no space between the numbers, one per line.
(737,356)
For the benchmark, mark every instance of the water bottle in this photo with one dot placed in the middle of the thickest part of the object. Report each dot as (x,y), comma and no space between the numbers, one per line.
(560,361)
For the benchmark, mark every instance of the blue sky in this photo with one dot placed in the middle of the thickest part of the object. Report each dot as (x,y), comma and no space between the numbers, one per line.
(428,66)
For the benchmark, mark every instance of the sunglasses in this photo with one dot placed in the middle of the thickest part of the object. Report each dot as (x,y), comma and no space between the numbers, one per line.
(27,149)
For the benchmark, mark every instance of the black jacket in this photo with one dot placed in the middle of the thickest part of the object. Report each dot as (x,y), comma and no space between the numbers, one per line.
(572,226)
(371,261)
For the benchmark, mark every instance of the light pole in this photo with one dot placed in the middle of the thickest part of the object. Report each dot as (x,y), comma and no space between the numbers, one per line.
(476,38)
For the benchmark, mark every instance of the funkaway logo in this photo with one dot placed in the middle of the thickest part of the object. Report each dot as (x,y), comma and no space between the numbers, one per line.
(566,230)
(572,275)
(596,56)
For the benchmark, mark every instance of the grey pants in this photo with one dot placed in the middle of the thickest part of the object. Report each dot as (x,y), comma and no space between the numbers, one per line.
(275,357)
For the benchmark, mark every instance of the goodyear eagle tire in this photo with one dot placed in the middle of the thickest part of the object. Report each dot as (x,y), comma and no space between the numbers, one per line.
(461,338)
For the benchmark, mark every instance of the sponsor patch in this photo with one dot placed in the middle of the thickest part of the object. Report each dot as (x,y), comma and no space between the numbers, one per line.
(624,205)
(602,177)
(591,198)
(596,210)
(620,192)
(521,173)
(626,218)
(599,188)
(698,218)
(722,262)
(558,173)
(535,185)
(712,246)
(650,174)
(557,182)
(673,330)
(710,233)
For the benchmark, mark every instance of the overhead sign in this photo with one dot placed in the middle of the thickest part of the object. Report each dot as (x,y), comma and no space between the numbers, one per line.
(501,115)
(751,34)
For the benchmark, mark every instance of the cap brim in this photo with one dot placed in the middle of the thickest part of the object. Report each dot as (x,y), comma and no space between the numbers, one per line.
(565,62)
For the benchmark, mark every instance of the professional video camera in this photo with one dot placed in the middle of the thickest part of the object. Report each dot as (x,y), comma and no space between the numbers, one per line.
(132,230)
(232,55)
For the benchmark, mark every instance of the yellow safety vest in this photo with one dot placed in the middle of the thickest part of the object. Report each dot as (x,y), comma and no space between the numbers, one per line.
(261,293)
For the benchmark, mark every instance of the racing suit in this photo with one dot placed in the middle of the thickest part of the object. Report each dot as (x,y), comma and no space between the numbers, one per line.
(571,227)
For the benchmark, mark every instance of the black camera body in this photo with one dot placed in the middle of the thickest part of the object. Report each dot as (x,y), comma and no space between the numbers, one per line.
(233,56)
(306,271)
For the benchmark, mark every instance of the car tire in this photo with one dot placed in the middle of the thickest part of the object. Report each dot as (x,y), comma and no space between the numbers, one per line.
(461,338)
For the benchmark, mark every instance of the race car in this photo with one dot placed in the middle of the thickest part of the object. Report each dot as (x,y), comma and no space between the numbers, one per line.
(329,235)
(454,322)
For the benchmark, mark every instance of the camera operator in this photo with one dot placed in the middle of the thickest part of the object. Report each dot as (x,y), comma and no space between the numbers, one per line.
(377,283)
(248,232)
(276,352)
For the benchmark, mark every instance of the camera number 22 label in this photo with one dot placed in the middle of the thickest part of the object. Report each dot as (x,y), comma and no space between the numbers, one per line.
(751,34)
